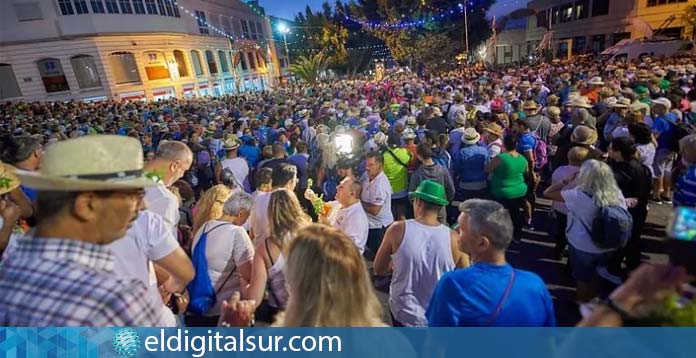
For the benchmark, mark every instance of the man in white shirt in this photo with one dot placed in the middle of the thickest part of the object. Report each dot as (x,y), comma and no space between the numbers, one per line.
(150,240)
(376,200)
(284,176)
(351,217)
(171,161)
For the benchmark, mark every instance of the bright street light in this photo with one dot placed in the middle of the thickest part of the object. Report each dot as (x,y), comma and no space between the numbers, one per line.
(284,29)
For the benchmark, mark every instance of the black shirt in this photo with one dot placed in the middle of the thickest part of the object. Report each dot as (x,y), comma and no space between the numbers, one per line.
(634,180)
(437,124)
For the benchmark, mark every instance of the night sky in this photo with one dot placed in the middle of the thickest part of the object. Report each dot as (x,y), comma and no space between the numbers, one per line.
(288,8)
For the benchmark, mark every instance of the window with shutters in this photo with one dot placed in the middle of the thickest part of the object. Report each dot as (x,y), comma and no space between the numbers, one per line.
(97,6)
(66,7)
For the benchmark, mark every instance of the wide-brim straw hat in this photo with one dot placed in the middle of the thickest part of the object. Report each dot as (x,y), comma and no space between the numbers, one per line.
(8,178)
(470,136)
(597,81)
(622,103)
(106,162)
(580,102)
(494,129)
(530,105)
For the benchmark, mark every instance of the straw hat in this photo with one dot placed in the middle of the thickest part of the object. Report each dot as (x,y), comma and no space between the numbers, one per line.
(531,105)
(525,84)
(596,81)
(553,112)
(470,136)
(8,179)
(380,138)
(494,129)
(690,68)
(107,162)
(231,143)
(642,73)
(580,101)
(622,103)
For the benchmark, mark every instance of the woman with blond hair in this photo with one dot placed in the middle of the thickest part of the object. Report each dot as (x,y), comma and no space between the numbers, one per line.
(228,253)
(210,205)
(317,258)
(595,188)
(285,218)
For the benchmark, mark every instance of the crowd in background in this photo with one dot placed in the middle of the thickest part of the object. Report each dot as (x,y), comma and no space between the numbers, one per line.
(199,211)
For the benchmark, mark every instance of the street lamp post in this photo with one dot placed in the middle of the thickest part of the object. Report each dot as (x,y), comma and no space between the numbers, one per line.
(466,32)
(285,30)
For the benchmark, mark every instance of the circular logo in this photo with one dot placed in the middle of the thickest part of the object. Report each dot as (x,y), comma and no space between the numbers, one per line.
(126,342)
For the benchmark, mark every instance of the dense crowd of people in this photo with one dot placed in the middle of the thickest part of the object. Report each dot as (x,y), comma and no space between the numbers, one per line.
(270,206)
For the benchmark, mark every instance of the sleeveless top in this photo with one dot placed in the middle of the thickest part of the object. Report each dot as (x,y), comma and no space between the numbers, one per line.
(277,292)
(424,256)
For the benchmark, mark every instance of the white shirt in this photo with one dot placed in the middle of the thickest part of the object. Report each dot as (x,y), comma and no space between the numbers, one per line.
(238,167)
(258,219)
(424,255)
(378,192)
(581,209)
(163,202)
(148,239)
(228,247)
(353,222)
(562,173)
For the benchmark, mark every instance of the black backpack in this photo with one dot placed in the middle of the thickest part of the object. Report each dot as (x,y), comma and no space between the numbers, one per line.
(681,130)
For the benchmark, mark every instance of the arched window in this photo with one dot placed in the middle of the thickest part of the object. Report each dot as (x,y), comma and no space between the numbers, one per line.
(196,58)
(124,67)
(181,63)
(85,71)
(212,66)
(9,88)
(156,66)
(52,75)
(224,64)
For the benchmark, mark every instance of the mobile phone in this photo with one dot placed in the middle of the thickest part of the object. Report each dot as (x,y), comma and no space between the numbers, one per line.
(682,233)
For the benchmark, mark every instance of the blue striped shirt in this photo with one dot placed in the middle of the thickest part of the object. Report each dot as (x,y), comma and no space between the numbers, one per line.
(63,282)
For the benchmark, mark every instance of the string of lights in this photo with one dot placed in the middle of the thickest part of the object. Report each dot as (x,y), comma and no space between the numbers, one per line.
(436,16)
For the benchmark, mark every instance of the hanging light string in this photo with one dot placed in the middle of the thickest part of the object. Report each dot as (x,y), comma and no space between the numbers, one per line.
(412,23)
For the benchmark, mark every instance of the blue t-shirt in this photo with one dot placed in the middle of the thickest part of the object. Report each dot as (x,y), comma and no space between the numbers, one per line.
(29,192)
(685,189)
(665,128)
(469,297)
(527,142)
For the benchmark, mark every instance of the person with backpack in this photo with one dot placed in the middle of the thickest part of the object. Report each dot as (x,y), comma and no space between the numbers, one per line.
(533,149)
(396,161)
(664,129)
(222,256)
(598,222)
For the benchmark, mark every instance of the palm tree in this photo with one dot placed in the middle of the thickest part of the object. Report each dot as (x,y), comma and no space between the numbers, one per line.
(689,17)
(309,68)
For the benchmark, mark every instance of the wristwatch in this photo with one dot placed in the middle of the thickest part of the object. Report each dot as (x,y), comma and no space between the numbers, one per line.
(625,316)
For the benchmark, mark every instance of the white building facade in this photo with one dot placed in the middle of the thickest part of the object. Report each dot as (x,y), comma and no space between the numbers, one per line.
(57,50)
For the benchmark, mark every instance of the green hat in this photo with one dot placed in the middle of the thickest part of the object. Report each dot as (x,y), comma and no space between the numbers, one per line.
(641,89)
(430,191)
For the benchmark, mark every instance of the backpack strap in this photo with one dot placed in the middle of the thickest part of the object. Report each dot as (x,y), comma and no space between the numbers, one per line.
(501,303)
(396,158)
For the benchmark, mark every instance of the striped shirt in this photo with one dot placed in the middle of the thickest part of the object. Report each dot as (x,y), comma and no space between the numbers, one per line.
(63,282)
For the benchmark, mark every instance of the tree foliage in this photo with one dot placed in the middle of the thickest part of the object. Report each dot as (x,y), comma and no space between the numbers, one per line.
(340,40)
(309,68)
